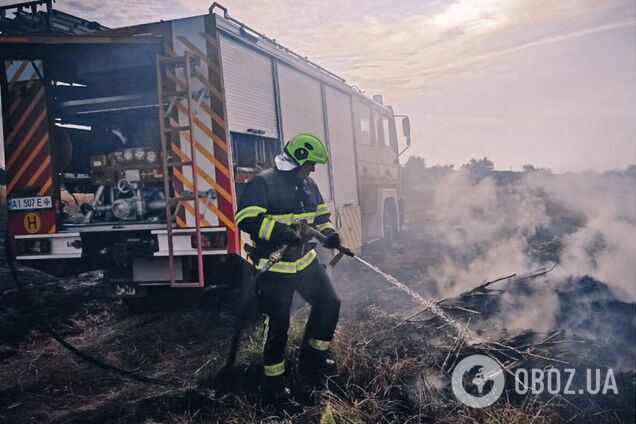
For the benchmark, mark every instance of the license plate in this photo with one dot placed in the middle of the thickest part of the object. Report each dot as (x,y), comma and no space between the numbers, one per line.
(29,203)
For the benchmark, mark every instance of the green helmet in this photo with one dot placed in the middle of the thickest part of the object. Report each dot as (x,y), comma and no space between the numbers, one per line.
(306,147)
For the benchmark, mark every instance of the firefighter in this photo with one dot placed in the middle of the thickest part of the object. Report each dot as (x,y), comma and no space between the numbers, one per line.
(273,201)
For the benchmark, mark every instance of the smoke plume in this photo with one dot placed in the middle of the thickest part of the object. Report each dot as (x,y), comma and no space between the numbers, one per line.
(506,223)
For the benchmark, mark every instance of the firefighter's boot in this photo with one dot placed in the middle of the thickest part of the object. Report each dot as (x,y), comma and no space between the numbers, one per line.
(276,394)
(316,367)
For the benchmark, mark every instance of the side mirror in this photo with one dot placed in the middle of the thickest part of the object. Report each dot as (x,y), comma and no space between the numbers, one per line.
(406,129)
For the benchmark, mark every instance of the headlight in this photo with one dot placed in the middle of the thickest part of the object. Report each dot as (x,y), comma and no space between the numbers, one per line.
(140,154)
(151,156)
(128,155)
(119,157)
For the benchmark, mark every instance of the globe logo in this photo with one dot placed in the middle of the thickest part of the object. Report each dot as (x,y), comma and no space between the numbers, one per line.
(478,381)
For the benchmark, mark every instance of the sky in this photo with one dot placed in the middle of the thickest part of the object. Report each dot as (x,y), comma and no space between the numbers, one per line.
(551,83)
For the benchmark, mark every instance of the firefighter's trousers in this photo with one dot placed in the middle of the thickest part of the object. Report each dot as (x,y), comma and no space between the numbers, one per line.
(275,292)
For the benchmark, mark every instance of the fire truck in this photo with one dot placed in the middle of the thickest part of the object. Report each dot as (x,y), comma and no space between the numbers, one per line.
(126,149)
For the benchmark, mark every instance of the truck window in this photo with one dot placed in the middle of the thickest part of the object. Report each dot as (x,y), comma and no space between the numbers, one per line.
(386,131)
(378,128)
(364,123)
(393,134)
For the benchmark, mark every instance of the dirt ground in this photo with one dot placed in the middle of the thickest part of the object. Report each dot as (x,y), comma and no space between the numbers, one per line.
(390,370)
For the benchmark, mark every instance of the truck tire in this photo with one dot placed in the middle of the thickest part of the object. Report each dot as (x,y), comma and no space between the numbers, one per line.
(389,224)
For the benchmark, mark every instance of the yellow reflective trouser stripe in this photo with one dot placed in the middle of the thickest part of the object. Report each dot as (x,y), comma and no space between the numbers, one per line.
(290,267)
(267,226)
(274,370)
(319,344)
(322,209)
(249,212)
(289,218)
(325,226)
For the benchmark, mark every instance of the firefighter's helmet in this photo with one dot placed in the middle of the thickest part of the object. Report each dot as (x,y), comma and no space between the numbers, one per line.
(307,147)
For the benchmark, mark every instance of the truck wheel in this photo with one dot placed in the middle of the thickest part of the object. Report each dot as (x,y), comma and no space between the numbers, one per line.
(390,225)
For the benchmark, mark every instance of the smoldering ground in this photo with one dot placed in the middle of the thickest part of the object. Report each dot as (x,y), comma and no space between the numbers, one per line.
(462,230)
(465,229)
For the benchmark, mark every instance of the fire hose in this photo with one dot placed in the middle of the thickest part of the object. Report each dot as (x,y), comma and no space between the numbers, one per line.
(225,372)
(41,322)
(224,378)
(342,251)
(225,375)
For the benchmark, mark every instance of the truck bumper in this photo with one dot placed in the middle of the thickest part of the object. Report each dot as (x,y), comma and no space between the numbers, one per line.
(48,246)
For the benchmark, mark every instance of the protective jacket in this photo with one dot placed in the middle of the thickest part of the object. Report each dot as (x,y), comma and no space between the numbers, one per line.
(271,202)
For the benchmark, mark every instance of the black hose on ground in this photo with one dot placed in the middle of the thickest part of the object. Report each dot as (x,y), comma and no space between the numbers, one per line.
(225,378)
(75,351)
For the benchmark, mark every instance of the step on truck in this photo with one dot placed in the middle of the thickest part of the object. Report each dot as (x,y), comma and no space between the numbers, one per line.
(126,148)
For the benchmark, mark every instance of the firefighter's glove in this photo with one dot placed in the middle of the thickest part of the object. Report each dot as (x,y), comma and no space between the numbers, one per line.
(301,226)
(291,238)
(332,241)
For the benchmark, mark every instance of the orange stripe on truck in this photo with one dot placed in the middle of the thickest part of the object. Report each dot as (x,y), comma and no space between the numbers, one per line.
(216,185)
(45,187)
(222,145)
(205,152)
(208,84)
(39,171)
(206,107)
(219,121)
(219,166)
(19,71)
(16,177)
(186,183)
(25,115)
(194,49)
(203,174)
(18,102)
(26,141)
(227,221)
(181,223)
(210,40)
(188,207)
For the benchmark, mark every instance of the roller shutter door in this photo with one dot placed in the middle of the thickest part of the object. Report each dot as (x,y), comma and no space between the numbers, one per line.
(249,88)
(343,163)
(301,109)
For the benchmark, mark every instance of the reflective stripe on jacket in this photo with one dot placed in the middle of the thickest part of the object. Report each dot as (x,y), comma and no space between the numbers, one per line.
(271,202)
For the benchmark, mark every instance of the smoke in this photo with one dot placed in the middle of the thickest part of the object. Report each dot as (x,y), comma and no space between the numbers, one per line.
(514,223)
(604,247)
(464,229)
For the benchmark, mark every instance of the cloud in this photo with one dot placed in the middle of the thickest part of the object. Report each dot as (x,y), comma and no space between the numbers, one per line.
(130,12)
(410,54)
(404,49)
(494,77)
(472,16)
(471,61)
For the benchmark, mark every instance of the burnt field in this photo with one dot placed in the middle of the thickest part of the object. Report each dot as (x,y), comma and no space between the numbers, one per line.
(395,355)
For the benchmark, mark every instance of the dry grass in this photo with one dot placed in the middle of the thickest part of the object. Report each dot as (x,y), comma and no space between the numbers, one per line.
(389,371)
